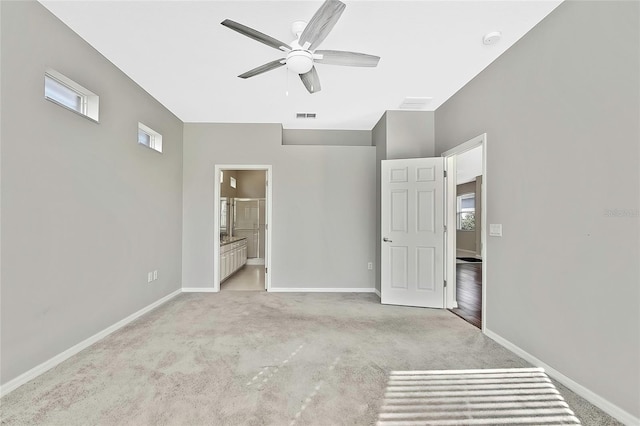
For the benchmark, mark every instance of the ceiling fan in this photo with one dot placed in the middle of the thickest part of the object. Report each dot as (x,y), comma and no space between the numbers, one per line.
(302,53)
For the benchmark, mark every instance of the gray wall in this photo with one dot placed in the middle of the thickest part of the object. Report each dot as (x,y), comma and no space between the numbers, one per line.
(410,134)
(326,137)
(86,210)
(323,205)
(561,112)
(251,183)
(225,187)
(379,139)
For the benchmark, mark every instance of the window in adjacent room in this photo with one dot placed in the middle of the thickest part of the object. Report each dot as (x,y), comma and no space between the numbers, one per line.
(67,93)
(466,212)
(149,137)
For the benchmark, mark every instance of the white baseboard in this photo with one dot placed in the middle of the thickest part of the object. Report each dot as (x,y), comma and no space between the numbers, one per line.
(198,290)
(255,261)
(605,405)
(63,356)
(377,292)
(321,290)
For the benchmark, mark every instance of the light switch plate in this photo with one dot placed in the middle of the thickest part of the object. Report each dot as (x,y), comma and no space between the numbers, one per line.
(495,230)
(149,277)
(155,274)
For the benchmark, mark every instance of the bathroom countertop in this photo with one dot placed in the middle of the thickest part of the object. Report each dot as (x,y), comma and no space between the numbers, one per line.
(227,240)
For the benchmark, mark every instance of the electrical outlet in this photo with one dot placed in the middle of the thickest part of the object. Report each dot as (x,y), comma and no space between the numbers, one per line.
(149,277)
(370,265)
(155,275)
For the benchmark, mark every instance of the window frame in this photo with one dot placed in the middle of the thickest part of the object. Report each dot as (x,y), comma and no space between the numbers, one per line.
(460,210)
(89,101)
(155,138)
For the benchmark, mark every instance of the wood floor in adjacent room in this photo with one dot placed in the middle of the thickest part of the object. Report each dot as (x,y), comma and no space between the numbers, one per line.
(469,292)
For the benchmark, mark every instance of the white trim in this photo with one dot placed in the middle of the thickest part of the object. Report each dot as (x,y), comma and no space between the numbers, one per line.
(377,292)
(323,290)
(451,245)
(449,156)
(466,146)
(91,101)
(600,402)
(255,261)
(216,219)
(198,290)
(155,138)
(63,356)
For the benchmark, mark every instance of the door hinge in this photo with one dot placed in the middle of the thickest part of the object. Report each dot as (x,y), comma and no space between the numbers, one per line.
(445,228)
(266,270)
(445,173)
(445,283)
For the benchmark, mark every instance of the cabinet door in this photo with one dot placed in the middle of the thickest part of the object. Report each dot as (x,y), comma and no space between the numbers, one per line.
(234,264)
(223,266)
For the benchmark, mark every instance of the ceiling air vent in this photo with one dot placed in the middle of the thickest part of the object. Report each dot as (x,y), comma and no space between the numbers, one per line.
(305,115)
(415,103)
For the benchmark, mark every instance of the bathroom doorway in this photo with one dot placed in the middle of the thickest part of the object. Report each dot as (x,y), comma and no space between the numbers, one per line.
(242,236)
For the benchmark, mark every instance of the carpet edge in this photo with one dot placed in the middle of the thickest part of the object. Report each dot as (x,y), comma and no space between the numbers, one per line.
(604,404)
(36,371)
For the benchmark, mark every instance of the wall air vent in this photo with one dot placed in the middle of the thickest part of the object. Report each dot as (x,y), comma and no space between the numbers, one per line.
(305,115)
(415,103)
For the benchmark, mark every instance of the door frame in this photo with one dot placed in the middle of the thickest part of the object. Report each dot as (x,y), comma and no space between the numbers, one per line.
(216,219)
(450,212)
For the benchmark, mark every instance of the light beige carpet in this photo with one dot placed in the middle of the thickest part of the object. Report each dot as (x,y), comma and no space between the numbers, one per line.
(256,358)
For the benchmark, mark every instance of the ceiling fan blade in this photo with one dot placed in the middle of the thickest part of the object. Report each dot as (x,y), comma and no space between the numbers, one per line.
(256,35)
(311,80)
(350,59)
(264,68)
(321,24)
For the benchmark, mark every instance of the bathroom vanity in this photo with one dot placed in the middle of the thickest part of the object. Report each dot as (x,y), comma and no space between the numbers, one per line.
(233,256)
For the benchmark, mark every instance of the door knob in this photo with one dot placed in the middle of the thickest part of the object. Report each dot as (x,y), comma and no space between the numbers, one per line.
(386,240)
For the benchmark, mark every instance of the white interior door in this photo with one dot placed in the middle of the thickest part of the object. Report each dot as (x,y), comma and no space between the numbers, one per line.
(413,232)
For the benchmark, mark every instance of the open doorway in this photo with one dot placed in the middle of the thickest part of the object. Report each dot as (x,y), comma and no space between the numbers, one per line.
(241,237)
(465,240)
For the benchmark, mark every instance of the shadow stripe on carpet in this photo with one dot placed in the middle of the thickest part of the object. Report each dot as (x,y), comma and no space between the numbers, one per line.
(473,397)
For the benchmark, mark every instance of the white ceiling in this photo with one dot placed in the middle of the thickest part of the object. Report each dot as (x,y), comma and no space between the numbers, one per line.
(179,53)
(468,165)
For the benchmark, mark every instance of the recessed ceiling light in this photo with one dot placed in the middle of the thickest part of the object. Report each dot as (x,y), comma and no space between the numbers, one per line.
(491,38)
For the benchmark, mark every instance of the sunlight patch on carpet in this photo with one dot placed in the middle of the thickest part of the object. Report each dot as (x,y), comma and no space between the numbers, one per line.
(473,397)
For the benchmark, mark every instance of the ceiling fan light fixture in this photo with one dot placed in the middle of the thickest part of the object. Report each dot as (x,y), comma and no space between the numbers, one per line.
(299,61)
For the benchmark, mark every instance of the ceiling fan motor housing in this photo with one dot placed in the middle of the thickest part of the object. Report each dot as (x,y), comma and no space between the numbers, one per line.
(300,61)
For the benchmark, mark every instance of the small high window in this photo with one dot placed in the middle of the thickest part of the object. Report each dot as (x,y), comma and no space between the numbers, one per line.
(67,93)
(149,137)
